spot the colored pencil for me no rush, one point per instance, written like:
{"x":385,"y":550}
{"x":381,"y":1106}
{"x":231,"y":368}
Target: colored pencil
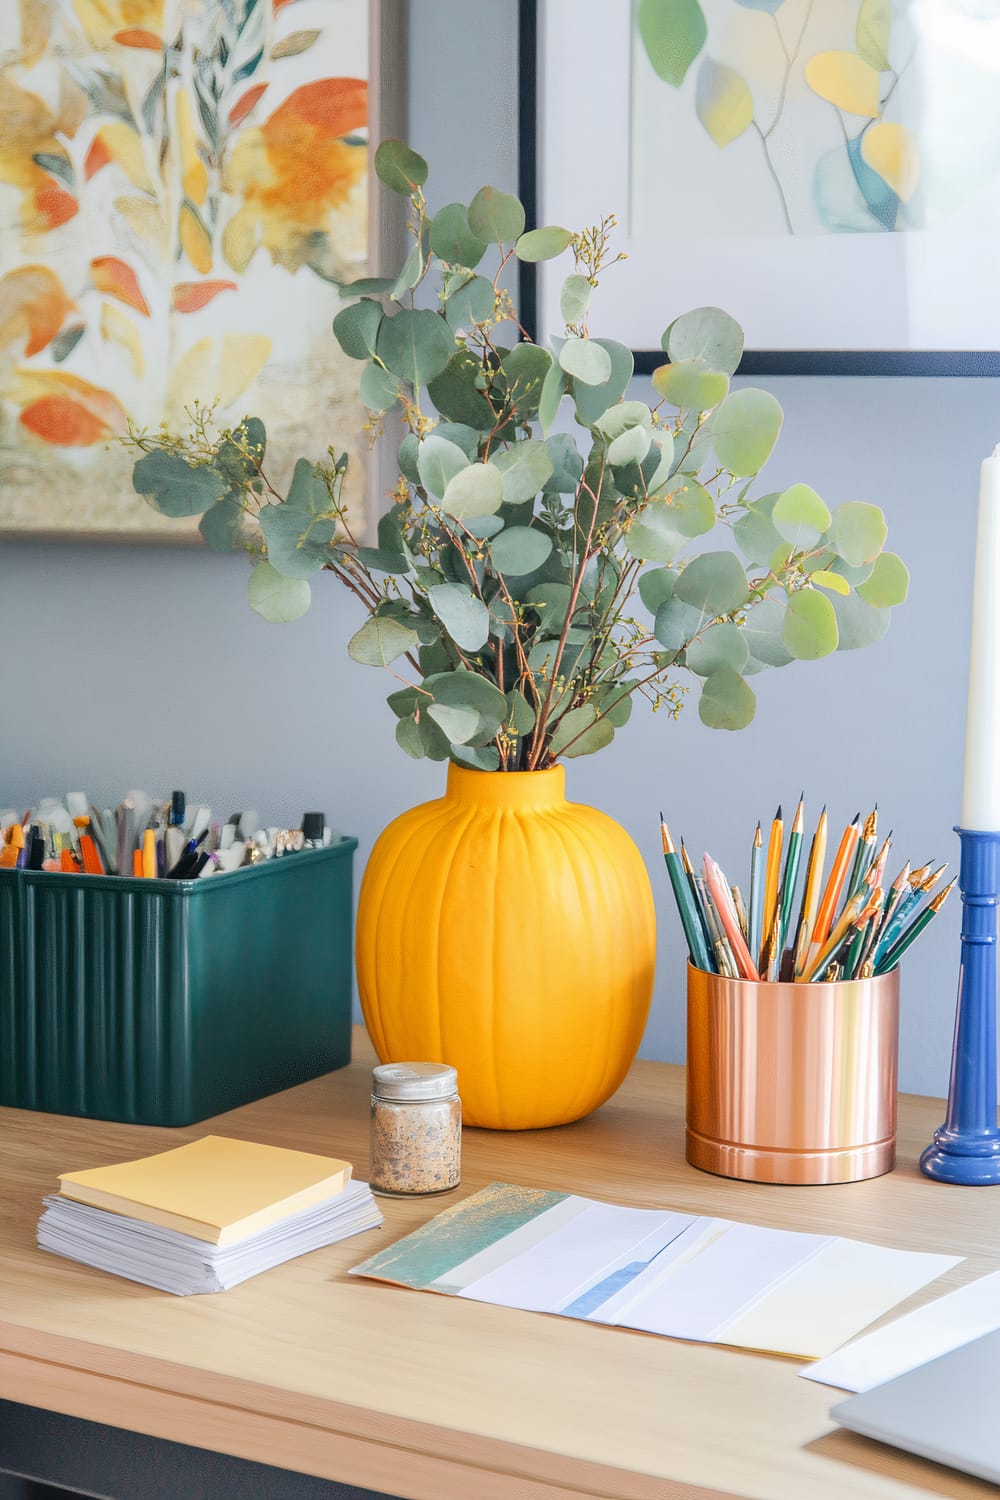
{"x":698,"y":904}
{"x":755,"y":912}
{"x":722,"y":899}
{"x":810,"y":899}
{"x":890,"y":959}
{"x":791,"y":875}
{"x":864,"y":853}
{"x":690,"y":919}
{"x":725,"y":962}
{"x":772,"y":876}
{"x":831,"y":895}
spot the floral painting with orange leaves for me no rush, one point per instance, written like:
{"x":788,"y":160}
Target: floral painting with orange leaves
{"x":183,"y":185}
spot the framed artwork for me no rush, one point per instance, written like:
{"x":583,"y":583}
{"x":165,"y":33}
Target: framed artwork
{"x":182,"y":184}
{"x":827,"y":173}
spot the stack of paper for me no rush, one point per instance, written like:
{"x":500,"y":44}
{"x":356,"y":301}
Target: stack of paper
{"x":671,"y":1273}
{"x":205,"y":1216}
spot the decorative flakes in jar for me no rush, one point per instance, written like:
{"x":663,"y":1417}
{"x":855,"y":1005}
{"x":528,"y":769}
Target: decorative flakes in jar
{"x":416,"y":1129}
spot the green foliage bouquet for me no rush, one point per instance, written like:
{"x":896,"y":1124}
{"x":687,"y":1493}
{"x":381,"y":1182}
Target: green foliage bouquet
{"x":528,"y":581}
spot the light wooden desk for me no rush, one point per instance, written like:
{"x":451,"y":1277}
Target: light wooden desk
{"x":432,"y":1397}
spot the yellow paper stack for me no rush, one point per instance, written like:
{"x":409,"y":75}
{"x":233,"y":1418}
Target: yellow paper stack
{"x":205,"y":1216}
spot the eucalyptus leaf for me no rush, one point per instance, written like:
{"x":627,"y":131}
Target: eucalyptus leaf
{"x":525,"y":468}
{"x":460,"y":724}
{"x":519,"y":550}
{"x":676,"y":623}
{"x":858,"y":623}
{"x":592,"y":401}
{"x":476,"y":491}
{"x":381,"y":640}
{"x":810,"y":629}
{"x":726,"y":702}
{"x":356,"y":328}
{"x":477,"y":757}
{"x":399,"y":168}
{"x":173,"y":486}
{"x":755,"y":532}
{"x":708,"y":334}
{"x":656,"y":586}
{"x":457,"y":395}
{"x":691,"y":384}
{"x":465,"y":617}
{"x":308,"y":492}
{"x":416,"y":344}
{"x":379,"y":560}
{"x":629,"y":447}
{"x":551,"y":601}
{"x":833,"y":582}
{"x":277,"y":599}
{"x":858,"y":532}
{"x":718,"y":646}
{"x":526,"y":368}
{"x":574,"y":299}
{"x":889,"y":582}
{"x":567,"y":465}
{"x":552,"y":392}
{"x":465,"y":689}
{"x":713,"y":583}
{"x":405,"y":702}
{"x":581,"y":732}
{"x":378,"y":389}
{"x":543,"y":244}
{"x":451,"y":238}
{"x":497,"y":218}
{"x":745,"y":429}
{"x":409,"y":738}
{"x":438,"y":461}
{"x":520,"y":714}
{"x":623,"y":417}
{"x":763,"y":630}
{"x":222,"y":523}
{"x":800,"y":517}
{"x":470,"y":303}
{"x":298,"y":544}
{"x":585,"y":360}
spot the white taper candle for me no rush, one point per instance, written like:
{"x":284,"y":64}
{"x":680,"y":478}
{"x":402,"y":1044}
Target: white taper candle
{"x":981,"y":784}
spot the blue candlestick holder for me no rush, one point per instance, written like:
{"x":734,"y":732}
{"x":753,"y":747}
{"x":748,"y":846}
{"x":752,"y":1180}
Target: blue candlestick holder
{"x":966,"y":1148}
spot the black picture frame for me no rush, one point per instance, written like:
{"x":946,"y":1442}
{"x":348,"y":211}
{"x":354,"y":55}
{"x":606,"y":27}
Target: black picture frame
{"x":957,"y":362}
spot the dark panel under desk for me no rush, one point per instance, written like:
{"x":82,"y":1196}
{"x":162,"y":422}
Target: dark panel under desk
{"x":87,"y":1459}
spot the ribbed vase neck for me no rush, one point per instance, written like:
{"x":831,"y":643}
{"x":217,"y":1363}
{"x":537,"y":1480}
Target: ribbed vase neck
{"x":507,"y":789}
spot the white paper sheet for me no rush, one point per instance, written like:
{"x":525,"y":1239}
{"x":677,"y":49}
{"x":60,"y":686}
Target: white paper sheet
{"x":937,"y":1328}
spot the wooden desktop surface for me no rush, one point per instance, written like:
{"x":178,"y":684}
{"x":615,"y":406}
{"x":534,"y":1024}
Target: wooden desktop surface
{"x":432,"y":1397}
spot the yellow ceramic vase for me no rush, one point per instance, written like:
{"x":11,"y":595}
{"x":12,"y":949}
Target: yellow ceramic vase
{"x":510,"y":933}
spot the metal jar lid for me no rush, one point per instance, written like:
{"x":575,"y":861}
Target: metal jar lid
{"x":414,"y":1080}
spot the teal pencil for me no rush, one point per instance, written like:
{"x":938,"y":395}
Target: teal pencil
{"x":697,"y":896}
{"x":790,"y":878}
{"x":690,"y":920}
{"x":755,"y":911}
{"x":890,"y":959}
{"x":863,"y":855}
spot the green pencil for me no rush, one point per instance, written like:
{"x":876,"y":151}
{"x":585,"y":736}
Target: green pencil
{"x":890,"y":959}
{"x":790,"y":877}
{"x":690,"y":920}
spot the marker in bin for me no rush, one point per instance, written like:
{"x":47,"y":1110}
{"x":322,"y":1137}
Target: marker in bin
{"x":147,"y":838}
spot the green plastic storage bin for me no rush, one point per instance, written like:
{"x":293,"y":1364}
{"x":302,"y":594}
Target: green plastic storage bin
{"x":161,"y":1002}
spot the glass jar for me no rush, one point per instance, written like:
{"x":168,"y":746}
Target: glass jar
{"x":416,"y":1129}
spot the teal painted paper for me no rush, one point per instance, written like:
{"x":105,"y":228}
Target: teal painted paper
{"x":457,"y":1234}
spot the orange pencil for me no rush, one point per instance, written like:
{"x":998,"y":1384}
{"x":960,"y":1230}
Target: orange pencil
{"x":149,"y":854}
{"x":136,"y":861}
{"x":92,"y":864}
{"x":831,"y":896}
{"x":772,"y":876}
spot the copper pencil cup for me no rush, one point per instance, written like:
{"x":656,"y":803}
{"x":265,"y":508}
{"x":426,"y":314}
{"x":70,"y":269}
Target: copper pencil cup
{"x":792,"y":1083}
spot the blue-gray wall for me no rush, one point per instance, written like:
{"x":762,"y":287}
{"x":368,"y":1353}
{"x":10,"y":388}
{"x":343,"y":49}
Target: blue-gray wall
{"x":123,"y":666}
